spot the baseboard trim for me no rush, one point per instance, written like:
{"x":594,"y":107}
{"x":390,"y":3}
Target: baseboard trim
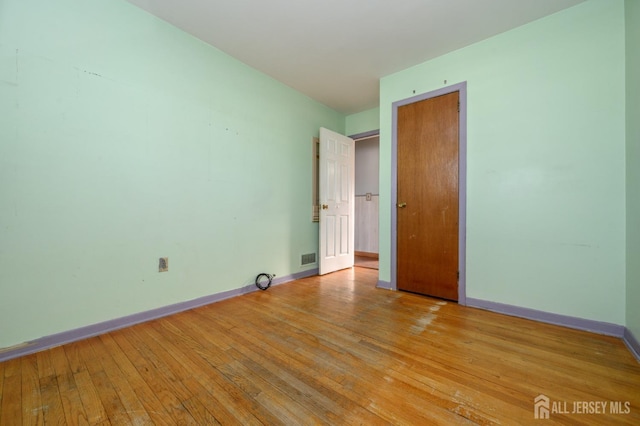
{"x":384,"y":285}
{"x":632,"y":343}
{"x":81,"y":333}
{"x":598,"y":327}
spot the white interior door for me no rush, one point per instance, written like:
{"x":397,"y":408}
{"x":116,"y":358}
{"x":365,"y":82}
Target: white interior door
{"x":337,"y":201}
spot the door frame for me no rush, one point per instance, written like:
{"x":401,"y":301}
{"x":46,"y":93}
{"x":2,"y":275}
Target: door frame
{"x":462,"y":183}
{"x":364,"y":136}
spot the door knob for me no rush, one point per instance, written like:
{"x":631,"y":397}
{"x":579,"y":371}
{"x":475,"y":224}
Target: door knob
{"x":325,"y":207}
{"x":402,"y":205}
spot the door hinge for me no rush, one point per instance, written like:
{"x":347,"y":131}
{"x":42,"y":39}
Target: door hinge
{"x":458,"y":106}
{"x":458,"y":275}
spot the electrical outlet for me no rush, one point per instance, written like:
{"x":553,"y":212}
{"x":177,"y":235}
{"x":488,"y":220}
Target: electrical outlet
{"x":163,"y":264}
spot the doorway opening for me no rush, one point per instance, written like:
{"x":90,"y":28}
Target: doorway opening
{"x":367,"y":160}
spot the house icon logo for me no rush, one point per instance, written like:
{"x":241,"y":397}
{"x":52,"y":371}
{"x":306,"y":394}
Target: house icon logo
{"x":541,"y":407}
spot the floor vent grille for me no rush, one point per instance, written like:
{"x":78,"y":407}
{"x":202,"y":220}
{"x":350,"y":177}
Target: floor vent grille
{"x":308,"y":259}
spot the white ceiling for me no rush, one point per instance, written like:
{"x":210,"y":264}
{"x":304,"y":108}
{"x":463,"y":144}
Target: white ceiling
{"x":335,"y":51}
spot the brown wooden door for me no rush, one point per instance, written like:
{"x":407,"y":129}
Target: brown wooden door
{"x":427,"y":233}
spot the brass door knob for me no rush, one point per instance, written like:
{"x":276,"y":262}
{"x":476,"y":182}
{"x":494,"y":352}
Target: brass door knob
{"x":402,"y":205}
{"x":325,"y":207}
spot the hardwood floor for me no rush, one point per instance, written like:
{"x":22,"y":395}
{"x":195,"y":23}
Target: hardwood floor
{"x":325,"y":350}
{"x":366,"y":262}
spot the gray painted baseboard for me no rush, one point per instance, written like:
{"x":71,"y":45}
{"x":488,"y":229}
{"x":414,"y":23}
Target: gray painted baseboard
{"x":384,"y":284}
{"x":550,"y":318}
{"x":563,"y":320}
{"x":64,"y":337}
{"x":115,"y":324}
{"x":632,"y":343}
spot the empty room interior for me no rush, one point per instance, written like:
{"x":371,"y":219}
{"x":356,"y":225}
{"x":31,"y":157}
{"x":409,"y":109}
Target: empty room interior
{"x":157,"y":156}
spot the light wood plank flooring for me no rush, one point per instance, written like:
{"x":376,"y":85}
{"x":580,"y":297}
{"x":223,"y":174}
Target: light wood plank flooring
{"x":324,"y":350}
{"x":366,"y":262}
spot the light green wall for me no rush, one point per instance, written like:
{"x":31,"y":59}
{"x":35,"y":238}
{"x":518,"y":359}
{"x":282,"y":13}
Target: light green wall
{"x":633,"y":162}
{"x":546,"y":160}
{"x":361,"y":122}
{"x":122,"y":139}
